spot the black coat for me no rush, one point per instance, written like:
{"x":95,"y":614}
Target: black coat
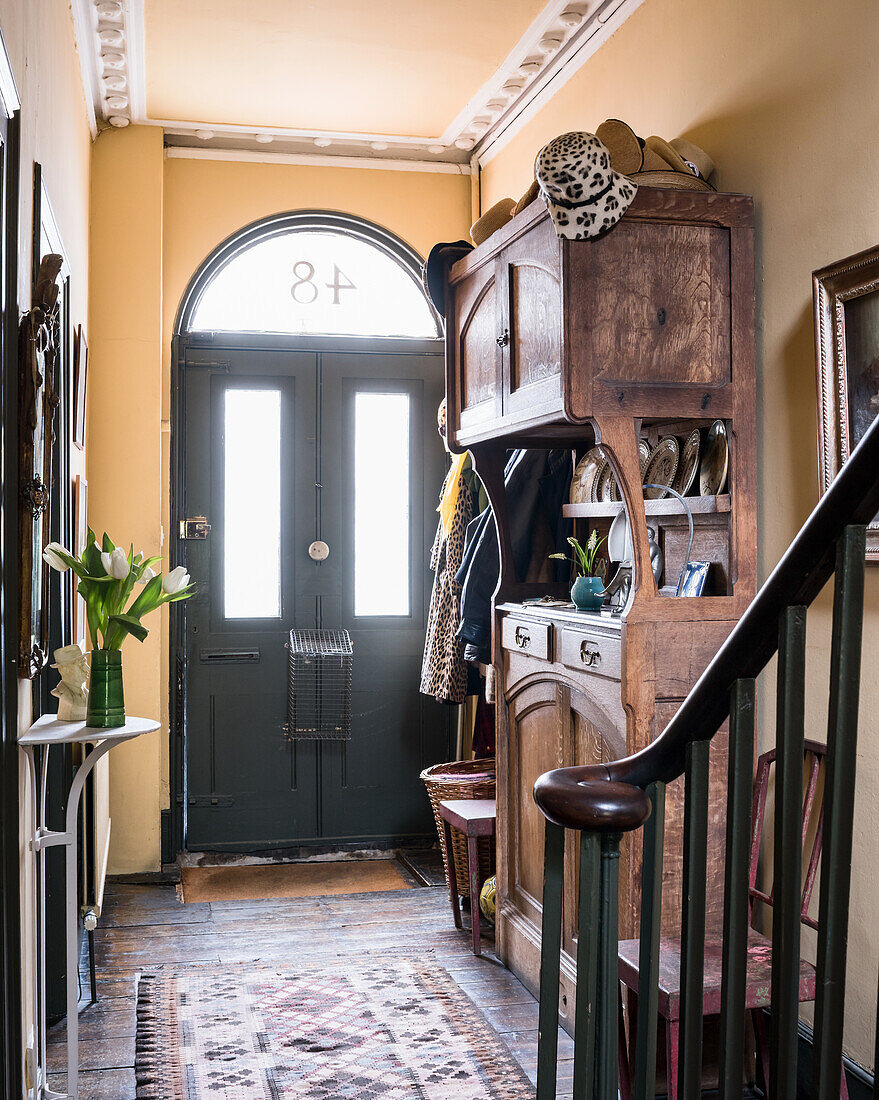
{"x":536,"y":483}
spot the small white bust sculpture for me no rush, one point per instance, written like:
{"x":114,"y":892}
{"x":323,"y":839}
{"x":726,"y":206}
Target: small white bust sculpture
{"x":72,"y":694}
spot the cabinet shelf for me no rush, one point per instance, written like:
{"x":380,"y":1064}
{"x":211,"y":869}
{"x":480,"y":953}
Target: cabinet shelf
{"x":669,"y":506}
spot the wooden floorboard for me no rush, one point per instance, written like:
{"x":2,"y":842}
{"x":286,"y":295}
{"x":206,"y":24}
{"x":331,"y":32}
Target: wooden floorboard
{"x":147,"y":927}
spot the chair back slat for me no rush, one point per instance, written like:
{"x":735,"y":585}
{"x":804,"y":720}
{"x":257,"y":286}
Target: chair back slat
{"x":814,"y":765}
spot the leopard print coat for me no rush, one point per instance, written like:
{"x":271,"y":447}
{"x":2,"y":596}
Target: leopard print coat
{"x":443,"y":670}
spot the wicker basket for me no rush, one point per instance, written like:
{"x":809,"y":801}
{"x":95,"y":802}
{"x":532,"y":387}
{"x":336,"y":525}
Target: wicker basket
{"x":462,"y":779}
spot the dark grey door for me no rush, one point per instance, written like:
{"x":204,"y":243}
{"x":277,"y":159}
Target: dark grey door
{"x":283,"y":449}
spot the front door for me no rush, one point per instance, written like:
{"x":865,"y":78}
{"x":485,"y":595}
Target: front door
{"x":288,"y":455}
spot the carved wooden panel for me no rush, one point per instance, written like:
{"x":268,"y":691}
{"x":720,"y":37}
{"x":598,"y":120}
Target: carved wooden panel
{"x":535,"y":330}
{"x":537,"y":729}
{"x":479,"y":349}
{"x":656,"y":305}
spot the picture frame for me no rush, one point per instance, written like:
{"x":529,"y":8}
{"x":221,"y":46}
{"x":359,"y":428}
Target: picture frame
{"x":80,"y":368}
{"x":846,"y":314}
{"x":39,"y":350}
{"x":693,"y":578}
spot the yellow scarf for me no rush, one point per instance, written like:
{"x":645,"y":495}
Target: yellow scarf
{"x":451,"y":491}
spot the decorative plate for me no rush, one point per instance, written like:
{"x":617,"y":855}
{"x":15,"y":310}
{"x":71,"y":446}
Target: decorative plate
{"x":643,"y":456}
{"x":619,"y":539}
{"x":584,"y":476}
{"x":689,"y":463}
{"x":606,"y":488}
{"x":662,"y":467}
{"x":715,"y":461}
{"x":603,"y":467}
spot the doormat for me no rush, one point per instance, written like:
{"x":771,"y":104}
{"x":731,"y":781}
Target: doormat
{"x":383,"y":1027}
{"x":291,"y":880}
{"x":426,"y":864}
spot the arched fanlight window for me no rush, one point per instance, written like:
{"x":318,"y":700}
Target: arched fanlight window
{"x":311,"y":273}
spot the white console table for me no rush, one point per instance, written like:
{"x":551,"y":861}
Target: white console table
{"x":44,"y":733}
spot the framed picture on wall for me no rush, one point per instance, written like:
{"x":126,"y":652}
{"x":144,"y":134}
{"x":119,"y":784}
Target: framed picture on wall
{"x":846,"y":303}
{"x":80,"y":368}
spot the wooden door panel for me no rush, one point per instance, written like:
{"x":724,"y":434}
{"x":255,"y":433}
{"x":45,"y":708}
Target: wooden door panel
{"x":536,"y":746}
{"x":535,"y":340}
{"x":531,"y":282}
{"x":654,"y":300}
{"x":477,"y":346}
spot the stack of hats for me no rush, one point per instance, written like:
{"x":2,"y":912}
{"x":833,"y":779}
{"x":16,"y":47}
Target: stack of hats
{"x":653,"y":161}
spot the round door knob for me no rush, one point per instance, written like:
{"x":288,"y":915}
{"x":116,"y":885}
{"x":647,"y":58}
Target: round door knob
{"x":318,"y":551}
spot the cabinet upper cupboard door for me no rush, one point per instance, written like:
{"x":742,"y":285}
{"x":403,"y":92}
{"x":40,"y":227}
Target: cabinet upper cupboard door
{"x":531,"y":294}
{"x":649,"y":320}
{"x":476,"y":352}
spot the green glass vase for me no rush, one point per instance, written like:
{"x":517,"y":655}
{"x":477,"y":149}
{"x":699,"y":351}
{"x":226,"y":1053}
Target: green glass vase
{"x":106,"y":709}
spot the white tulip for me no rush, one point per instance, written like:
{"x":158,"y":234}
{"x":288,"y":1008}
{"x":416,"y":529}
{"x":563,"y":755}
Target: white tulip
{"x":176,"y":580}
{"x":146,"y":576}
{"x":115,"y":564}
{"x":51,"y":557}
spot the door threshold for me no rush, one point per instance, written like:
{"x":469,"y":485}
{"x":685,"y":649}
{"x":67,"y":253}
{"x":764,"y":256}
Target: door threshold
{"x":304,"y":854}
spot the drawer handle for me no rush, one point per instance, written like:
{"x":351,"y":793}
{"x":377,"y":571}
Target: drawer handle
{"x":503,"y":339}
{"x":589,"y":657}
{"x":523,"y":638}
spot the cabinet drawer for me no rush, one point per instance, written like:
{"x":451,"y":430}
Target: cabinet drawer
{"x":527,"y":636}
{"x":594,"y":652}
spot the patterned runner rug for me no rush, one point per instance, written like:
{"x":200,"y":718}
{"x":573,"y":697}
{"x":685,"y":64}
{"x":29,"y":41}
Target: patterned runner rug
{"x":375,"y":1028}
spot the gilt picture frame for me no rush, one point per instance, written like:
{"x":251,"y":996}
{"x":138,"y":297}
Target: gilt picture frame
{"x":846,"y":312}
{"x":39,"y":341}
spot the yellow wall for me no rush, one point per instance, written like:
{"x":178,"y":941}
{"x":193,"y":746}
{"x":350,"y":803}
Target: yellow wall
{"x":54,"y":131}
{"x":154,"y":222}
{"x":126,"y":474}
{"x":783,"y":98}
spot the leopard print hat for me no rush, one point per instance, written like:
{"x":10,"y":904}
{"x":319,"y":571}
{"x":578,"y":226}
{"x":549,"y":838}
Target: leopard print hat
{"x":584,"y":195}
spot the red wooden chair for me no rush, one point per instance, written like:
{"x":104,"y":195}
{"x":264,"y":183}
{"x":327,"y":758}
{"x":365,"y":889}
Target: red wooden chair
{"x":759,"y":981}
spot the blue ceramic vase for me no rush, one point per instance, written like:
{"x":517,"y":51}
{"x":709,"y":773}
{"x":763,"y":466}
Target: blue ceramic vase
{"x":588,"y":593}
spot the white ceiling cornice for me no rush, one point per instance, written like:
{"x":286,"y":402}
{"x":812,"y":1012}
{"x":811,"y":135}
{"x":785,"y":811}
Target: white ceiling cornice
{"x":250,"y":156}
{"x":110,"y":38}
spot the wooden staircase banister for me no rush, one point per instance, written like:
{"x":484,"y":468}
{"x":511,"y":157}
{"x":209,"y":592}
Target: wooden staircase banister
{"x":587,"y":798}
{"x":603,"y":801}
{"x":805,"y":568}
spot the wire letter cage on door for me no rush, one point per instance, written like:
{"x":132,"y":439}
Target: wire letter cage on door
{"x":319,"y":685}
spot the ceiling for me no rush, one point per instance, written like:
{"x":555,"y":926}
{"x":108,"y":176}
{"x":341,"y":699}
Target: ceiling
{"x":313,"y":65}
{"x":429,"y":81}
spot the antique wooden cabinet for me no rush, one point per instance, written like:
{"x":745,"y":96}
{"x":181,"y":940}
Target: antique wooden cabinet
{"x":549,"y":343}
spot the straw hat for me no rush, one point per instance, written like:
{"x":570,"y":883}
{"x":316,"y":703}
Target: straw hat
{"x":492,"y":220}
{"x":585,"y":196}
{"x":529,"y":197}
{"x":623,"y":144}
{"x":694,"y":156}
{"x":680,"y":181}
{"x":667,"y":168}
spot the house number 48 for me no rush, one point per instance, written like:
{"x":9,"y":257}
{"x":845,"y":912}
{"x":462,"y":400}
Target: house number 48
{"x":305,"y":290}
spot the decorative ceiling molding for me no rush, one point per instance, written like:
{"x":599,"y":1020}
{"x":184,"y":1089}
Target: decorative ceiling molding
{"x":251,"y":156}
{"x":110,"y":36}
{"x":604,"y":18}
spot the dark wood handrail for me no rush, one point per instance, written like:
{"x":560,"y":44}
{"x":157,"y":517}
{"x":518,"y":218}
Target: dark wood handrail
{"x":568,"y":796}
